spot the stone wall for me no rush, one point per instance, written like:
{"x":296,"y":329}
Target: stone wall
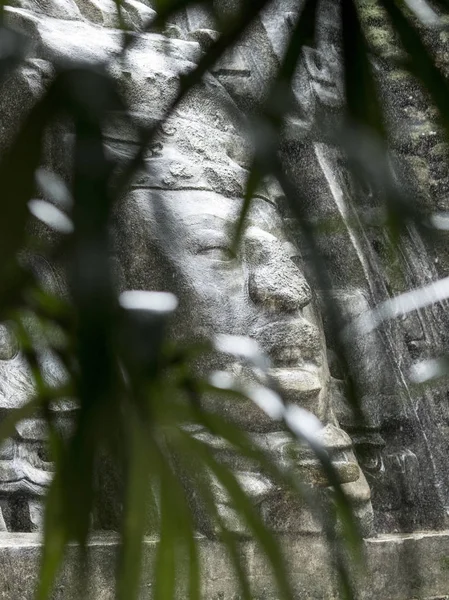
{"x":413,"y":567}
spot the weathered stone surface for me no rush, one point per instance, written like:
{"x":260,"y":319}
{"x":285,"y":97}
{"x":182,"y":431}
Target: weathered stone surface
{"x":405,"y":429}
{"x":172,"y":230}
{"x":202,"y":158}
{"x":398,"y":567}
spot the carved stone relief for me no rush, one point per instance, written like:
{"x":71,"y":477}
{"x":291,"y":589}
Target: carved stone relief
{"x":404,"y":429}
{"x":25,"y":465}
{"x":172,"y":232}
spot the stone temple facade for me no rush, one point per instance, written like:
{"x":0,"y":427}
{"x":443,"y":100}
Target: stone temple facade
{"x":170,"y":233}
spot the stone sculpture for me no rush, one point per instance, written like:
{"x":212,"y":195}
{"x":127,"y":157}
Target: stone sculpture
{"x":404,"y":428}
{"x":172,"y":232}
{"x":180,"y":213}
{"x":25,"y":466}
{"x":260,"y":293}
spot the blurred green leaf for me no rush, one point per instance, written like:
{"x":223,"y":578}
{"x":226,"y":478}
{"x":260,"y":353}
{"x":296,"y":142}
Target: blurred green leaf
{"x":421,"y":64}
{"x":17,"y":167}
{"x":268,"y":542}
{"x":362,"y":101}
{"x":202,"y":485}
{"x":226,"y":40}
{"x":55,"y":539}
{"x":137,"y":503}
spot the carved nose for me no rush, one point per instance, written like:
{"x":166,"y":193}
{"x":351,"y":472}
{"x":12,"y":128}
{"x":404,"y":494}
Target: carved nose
{"x":279,"y":285}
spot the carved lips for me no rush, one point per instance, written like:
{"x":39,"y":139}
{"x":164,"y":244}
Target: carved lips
{"x":296,"y":351}
{"x":291,"y":343}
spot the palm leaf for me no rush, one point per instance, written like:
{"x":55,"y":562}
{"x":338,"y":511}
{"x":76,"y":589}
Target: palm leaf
{"x":267,"y":541}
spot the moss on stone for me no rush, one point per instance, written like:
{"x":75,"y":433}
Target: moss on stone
{"x":440,"y":151}
{"x":372,"y":13}
{"x":382,"y":42}
{"x":421,"y":171}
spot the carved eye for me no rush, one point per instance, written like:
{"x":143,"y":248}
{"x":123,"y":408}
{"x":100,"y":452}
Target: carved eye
{"x":297,"y":260}
{"x":9,"y":346}
{"x":293,"y":254}
{"x":217,"y":253}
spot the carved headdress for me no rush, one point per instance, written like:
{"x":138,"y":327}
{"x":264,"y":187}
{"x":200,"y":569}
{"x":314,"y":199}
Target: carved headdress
{"x":203,"y":144}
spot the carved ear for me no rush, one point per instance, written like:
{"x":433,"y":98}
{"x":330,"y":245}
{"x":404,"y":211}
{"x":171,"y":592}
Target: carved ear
{"x":21,"y":90}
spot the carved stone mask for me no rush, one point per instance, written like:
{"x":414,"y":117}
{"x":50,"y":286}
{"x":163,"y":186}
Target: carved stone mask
{"x":260,"y":292}
{"x":173,"y":231}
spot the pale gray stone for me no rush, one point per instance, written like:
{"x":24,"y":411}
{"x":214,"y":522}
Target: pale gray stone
{"x":172,"y":231}
{"x":399,"y":567}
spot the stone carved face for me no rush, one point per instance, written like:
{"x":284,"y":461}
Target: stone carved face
{"x":185,"y":237}
{"x":180,"y":240}
{"x":172,"y":232}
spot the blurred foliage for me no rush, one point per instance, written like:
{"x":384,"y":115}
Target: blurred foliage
{"x":137,"y":398}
